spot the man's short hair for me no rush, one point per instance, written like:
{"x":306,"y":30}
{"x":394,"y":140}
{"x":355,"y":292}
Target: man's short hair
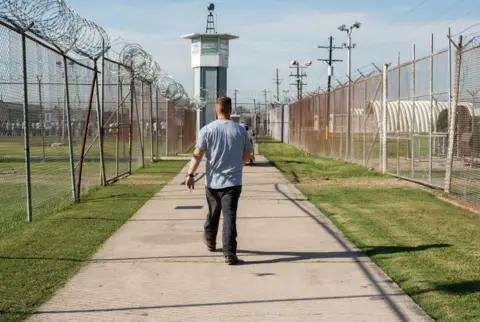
{"x":224,"y":104}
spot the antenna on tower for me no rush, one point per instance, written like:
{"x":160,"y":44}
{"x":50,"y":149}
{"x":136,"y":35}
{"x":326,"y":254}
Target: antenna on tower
{"x":210,"y":19}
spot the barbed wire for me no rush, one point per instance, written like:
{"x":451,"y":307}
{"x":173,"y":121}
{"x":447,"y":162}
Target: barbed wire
{"x":56,"y":23}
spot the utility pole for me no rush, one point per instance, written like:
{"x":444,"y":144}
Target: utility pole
{"x":266,"y":111}
{"x":255,"y":115}
{"x":235,"y":102}
{"x":278,"y":81}
{"x":330,"y":61}
{"x":299,"y":80}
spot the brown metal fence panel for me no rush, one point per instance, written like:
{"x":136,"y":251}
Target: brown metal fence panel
{"x":422,"y":118}
{"x":318,"y":124}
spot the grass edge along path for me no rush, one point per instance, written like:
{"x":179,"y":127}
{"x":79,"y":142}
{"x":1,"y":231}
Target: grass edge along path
{"x":40,"y":257}
{"x":429,"y":247}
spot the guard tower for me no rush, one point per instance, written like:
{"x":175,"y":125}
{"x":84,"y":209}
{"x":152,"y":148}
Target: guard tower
{"x":210,"y":51}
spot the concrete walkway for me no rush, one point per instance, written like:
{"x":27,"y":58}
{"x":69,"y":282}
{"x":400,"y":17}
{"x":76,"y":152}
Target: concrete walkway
{"x":297,"y":266}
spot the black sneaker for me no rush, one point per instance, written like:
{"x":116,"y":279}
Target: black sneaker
{"x":231,"y":259}
{"x":210,"y":245}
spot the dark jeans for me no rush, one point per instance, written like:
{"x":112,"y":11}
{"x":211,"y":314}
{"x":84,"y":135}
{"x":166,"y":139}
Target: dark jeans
{"x":227,"y":200}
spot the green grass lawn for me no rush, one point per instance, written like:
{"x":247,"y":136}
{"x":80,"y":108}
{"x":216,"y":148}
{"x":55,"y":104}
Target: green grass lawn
{"x":37,"y":258}
{"x":51,"y":180}
{"x":51,"y":188}
{"x":429,"y":247}
{"x":13,"y":147}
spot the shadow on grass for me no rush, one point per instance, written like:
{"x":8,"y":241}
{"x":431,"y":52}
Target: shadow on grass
{"x":461,"y":288}
{"x":287,"y":257}
{"x":380,"y":250}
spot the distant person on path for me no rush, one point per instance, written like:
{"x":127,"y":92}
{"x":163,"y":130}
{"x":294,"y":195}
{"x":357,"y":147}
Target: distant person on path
{"x":227,"y":147}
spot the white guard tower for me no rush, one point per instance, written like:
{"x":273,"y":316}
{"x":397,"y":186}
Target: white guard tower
{"x":209,"y":62}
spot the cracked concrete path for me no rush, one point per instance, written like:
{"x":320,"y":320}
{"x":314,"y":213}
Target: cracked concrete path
{"x":296,"y":265}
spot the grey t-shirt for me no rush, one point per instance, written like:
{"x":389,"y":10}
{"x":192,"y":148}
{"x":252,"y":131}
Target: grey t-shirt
{"x":224,"y":143}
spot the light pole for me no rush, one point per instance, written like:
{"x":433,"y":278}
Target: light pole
{"x":349,"y":46}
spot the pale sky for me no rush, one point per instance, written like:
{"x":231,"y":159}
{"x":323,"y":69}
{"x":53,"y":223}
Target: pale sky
{"x":274,"y":32}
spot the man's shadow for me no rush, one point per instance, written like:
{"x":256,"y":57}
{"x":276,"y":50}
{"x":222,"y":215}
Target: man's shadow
{"x":289,"y":257}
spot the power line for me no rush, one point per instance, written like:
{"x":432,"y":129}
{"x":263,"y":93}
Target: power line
{"x":422,"y":26}
{"x":406,"y":13}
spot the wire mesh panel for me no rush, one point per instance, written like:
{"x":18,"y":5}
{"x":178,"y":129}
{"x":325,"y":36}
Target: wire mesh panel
{"x":439,"y":106}
{"x":161,"y":142}
{"x":115,"y":119}
{"x":465,"y":171}
{"x":137,"y":126}
{"x":173,"y":128}
{"x":189,"y":130}
{"x":12,"y":156}
{"x":66,"y":124}
{"x":340,"y":110}
{"x":369,"y":124}
{"x":51,"y":179}
{"x":397,"y":133}
{"x":147,"y":122}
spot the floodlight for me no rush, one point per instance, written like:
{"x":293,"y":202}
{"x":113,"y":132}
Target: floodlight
{"x":356,"y":25}
{"x":343,"y":28}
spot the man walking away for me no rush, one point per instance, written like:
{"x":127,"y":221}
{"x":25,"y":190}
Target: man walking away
{"x":227,"y":147}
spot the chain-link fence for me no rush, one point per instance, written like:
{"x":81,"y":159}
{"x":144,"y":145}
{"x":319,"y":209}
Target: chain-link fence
{"x":69,"y":123}
{"x":318,"y":124}
{"x":418,"y":120}
{"x":464,"y":157}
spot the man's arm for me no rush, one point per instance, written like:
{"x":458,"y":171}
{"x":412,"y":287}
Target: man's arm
{"x":195,"y":161}
{"x":200,"y":147}
{"x":246,"y":157}
{"x":248,"y":149}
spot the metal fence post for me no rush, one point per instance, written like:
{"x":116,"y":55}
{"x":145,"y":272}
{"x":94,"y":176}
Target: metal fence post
{"x":399,"y":94}
{"x":453,"y":108}
{"x":151,"y":122}
{"x":132,"y":104}
{"x":430,"y":150}
{"x":142,"y":128}
{"x":333,"y":137}
{"x":384,"y":117}
{"x":119,"y":102}
{"x":103,"y":180}
{"x":26,"y":131}
{"x":412,"y":128}
{"x":365,"y":101}
{"x":69,"y":127}
{"x":157,"y":123}
{"x":282,"y":123}
{"x":167,"y":126}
